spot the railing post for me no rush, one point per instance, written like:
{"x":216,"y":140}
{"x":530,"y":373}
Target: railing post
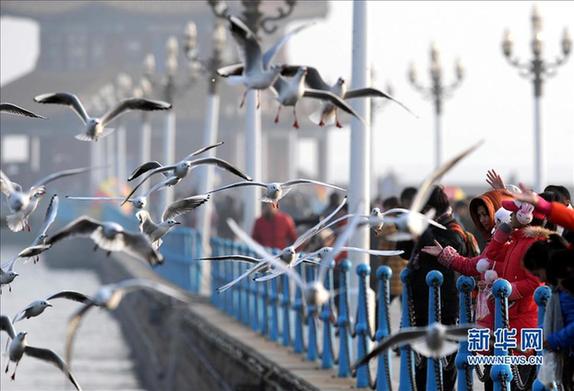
{"x":253,"y":292}
{"x":274,"y":301}
{"x":196,"y":265}
{"x":264,"y":292}
{"x":542,"y":296}
{"x":501,"y":374}
{"x":343,"y":321}
{"x":465,"y":285}
{"x":231,"y":293}
{"x":286,"y":306}
{"x":246,"y":282}
{"x":214,"y":244}
{"x":362,"y":327}
{"x":434,"y":280}
{"x":407,"y":374}
{"x":298,"y":343}
{"x":383,"y":382}
{"x":327,"y":357}
{"x":312,"y":351}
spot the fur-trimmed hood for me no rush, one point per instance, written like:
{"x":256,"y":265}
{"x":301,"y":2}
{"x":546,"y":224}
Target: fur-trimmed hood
{"x":535,"y":232}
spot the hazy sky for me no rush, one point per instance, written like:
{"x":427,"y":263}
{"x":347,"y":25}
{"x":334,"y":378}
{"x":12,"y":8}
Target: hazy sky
{"x":493,"y":103}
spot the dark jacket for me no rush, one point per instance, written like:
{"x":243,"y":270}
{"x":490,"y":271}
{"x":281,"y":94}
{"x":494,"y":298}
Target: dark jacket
{"x":564,"y":339}
{"x":423,"y":263}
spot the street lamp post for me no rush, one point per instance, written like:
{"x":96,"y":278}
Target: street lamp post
{"x":437,"y":92}
{"x":169,"y":88}
{"x":538,"y":70}
{"x":255,"y":20}
{"x":123,"y":91}
{"x":143,"y":90}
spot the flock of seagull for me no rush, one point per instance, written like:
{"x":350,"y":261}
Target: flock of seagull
{"x":258,"y":72}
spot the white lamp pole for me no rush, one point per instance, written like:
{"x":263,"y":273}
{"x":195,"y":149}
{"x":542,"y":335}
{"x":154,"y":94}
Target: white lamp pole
{"x":360,"y":144}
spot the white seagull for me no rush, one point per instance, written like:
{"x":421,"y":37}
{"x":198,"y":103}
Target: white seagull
{"x":37,"y":307}
{"x":275,"y":191}
{"x":109,"y":297}
{"x":314,"y":292}
{"x":7,"y":274}
{"x":95,"y":127}
{"x":340,"y":89}
{"x":179,"y":170}
{"x":156,"y":231}
{"x":289,"y":91}
{"x":258,"y":73}
{"x":23,"y":203}
{"x":434,"y":341}
{"x":139,"y":202}
{"x":51,"y":214}
{"x":109,"y":236}
{"x":11,"y":108}
{"x":411,"y":223}
{"x":287,"y":257}
{"x":19,"y":347}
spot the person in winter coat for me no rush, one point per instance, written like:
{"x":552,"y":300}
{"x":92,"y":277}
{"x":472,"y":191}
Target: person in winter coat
{"x":422,"y":263}
{"x":556,"y":212}
{"x":552,"y":261}
{"x":482,"y":211}
{"x":505,"y":253}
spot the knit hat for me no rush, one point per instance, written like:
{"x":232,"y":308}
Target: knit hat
{"x":523,"y":210}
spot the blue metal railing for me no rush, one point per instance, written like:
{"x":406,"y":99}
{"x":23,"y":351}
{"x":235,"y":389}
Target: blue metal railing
{"x":276,"y":309}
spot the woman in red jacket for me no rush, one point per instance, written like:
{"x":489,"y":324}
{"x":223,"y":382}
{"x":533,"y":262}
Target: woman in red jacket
{"x":505,"y":252}
{"x":556,"y":212}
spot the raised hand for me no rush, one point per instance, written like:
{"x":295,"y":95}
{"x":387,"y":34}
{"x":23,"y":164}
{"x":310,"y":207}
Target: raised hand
{"x":527,"y":195}
{"x":433,"y":250}
{"x":494,"y":180}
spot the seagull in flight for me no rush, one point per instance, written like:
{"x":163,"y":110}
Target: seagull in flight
{"x":19,"y":347}
{"x":275,"y":191}
{"x":7,"y":274}
{"x":411,"y":223}
{"x":139,"y":202}
{"x":37,"y":307}
{"x":109,"y":297}
{"x":23,"y":203}
{"x":95,"y":127}
{"x":314,"y":291}
{"x":287,"y":257}
{"x":109,"y":236}
{"x":11,"y":108}
{"x":256,"y":72}
{"x":433,"y":341}
{"x":36,"y":248}
{"x":178,"y":171}
{"x":155,"y":231}
{"x":340,"y":89}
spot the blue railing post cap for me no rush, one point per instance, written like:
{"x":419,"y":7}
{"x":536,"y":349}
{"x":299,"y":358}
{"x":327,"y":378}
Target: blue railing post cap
{"x":345,"y":265}
{"x":434,"y":278}
{"x":405,"y":275}
{"x":363,"y":269}
{"x":542,"y":294}
{"x":465,"y":284}
{"x":496,"y":371}
{"x":501,"y":287}
{"x":384,"y":272}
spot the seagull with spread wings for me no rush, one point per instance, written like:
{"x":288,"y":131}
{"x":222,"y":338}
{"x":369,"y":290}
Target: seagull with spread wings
{"x":287,"y":258}
{"x":109,"y":236}
{"x":109,"y":297}
{"x":314,"y":292}
{"x":256,"y":72}
{"x":433,"y":341}
{"x":37,"y":307}
{"x":36,"y":245}
{"x":156,"y":231}
{"x":411,"y":223}
{"x":24,"y":203}
{"x":95,"y":127}
{"x":19,"y":347}
{"x":315,"y":81}
{"x":11,"y":108}
{"x":275,"y":191}
{"x":178,"y":171}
